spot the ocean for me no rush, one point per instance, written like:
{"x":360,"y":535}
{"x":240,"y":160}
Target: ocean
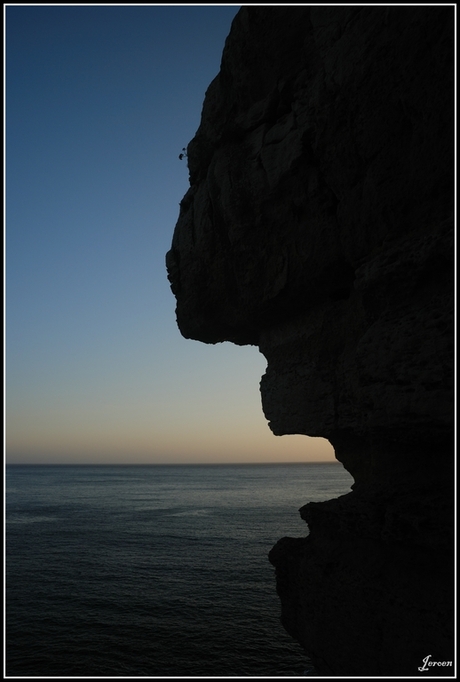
{"x":153,"y":571}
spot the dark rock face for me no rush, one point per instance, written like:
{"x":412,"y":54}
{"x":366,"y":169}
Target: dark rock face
{"x":318,"y":226}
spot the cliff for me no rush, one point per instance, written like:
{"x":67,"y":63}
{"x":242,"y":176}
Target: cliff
{"x":319,"y":227}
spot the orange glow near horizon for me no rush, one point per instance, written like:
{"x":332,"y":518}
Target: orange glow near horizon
{"x":269,"y":449}
{"x":207,"y":410}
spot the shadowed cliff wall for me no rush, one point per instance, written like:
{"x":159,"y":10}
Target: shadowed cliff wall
{"x":319,"y":227}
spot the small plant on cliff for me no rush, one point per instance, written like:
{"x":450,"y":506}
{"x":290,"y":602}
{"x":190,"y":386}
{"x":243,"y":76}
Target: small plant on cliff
{"x":183,"y":154}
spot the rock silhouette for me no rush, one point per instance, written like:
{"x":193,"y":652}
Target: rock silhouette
{"x":319,"y":227}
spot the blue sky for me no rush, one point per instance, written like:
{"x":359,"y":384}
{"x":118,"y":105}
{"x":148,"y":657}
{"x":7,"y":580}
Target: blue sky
{"x":100,"y":101}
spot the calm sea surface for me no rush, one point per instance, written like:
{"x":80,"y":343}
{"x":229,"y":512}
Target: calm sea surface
{"x":153,"y":571}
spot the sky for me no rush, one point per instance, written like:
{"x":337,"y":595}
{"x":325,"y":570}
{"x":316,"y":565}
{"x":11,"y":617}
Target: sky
{"x":99,"y":102}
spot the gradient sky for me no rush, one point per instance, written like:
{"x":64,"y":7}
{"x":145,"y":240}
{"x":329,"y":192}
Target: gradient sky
{"x":100,"y":101}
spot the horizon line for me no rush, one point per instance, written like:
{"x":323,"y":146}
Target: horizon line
{"x":143,"y":464}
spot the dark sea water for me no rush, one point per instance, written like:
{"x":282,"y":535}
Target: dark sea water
{"x":153,"y":571}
